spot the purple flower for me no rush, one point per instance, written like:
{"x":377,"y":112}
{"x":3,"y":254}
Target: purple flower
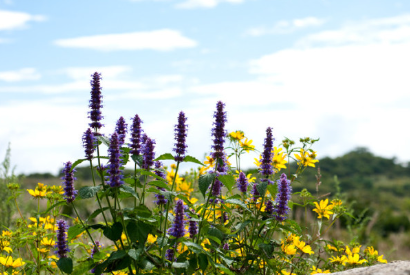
{"x":177,"y":229}
{"x":242,"y":182}
{"x":89,"y":142}
{"x":219,"y":132}
{"x":121,"y":130}
{"x":136,"y":136}
{"x":216,"y":189}
{"x":95,"y":102}
{"x":61,"y":245}
{"x":69,"y":192}
{"x":170,"y":255}
{"x":95,"y":248}
{"x":180,"y":136}
{"x":115,"y":176}
{"x":267,"y":155}
{"x":282,"y":198}
{"x":148,"y":153}
{"x":269,"y":207}
{"x":161,"y":200}
{"x":226,"y":246}
{"x":255,"y":192}
{"x":192,"y":229}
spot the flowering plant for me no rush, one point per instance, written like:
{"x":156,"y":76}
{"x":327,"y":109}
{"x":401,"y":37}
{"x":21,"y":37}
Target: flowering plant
{"x":216,"y":219}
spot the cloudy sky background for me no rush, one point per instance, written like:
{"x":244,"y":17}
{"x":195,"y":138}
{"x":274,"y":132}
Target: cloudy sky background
{"x":338,"y":70}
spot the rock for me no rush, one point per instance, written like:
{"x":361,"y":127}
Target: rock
{"x":392,"y":268}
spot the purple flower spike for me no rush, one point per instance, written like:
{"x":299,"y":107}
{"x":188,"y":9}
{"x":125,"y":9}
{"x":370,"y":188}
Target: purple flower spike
{"x":192,"y":229}
{"x":61,"y":245}
{"x":115,"y":176}
{"x":218,"y":131}
{"x":95,"y":248}
{"x":161,"y":200}
{"x":242,"y":182}
{"x":69,"y":192}
{"x":136,"y":132}
{"x":180,"y":136}
{"x":95,"y":102}
{"x":216,"y":189}
{"x":89,"y":142}
{"x":269,"y":207}
{"x":148,"y":153}
{"x":121,"y":130}
{"x":170,"y":255}
{"x":282,"y":198}
{"x":255,"y":192}
{"x":267,"y":155}
{"x":177,"y":229}
{"x":226,"y":246}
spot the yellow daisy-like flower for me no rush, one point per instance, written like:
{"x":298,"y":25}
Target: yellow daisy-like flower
{"x":289,"y":249}
{"x":331,"y":247}
{"x":306,"y":159}
{"x":353,"y":260}
{"x":371,"y":251}
{"x":284,"y":272}
{"x":184,"y":186}
{"x":250,"y":178}
{"x":43,"y":250}
{"x":323,"y":210}
{"x":337,"y":202}
{"x":8,"y":262}
{"x":151,"y":239}
{"x":279,"y":160}
{"x":318,"y":270}
{"x":381,"y":260}
{"x":57,"y":189}
{"x":302,"y":246}
{"x":238,"y":135}
{"x":39,"y":192}
{"x":336,"y":260}
{"x":6,"y":233}
{"x":48,"y":242}
{"x":257,"y":162}
{"x":171,"y":176}
{"x":247,"y":145}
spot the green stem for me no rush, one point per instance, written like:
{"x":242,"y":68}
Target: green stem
{"x":82,"y":223}
{"x":98,"y":199}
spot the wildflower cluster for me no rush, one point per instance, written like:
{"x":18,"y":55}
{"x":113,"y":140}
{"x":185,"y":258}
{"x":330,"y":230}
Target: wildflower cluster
{"x":213,"y":219}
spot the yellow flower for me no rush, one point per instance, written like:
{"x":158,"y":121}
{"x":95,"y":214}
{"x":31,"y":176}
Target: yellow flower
{"x":247,"y":145}
{"x":151,"y":239}
{"x":336,"y":260}
{"x":39,"y":192}
{"x":323,"y":210}
{"x":302,"y":246}
{"x":250,"y":178}
{"x":289,"y":249}
{"x":171,"y":176}
{"x":43,"y":250}
{"x":355,"y":250}
{"x":57,"y":189}
{"x":381,"y":260}
{"x":257,"y":162}
{"x":336,"y":202}
{"x":305,"y":159}
{"x":316,"y":271}
{"x":48,"y":242}
{"x":8,"y":262}
{"x":331,"y":247}
{"x":238,"y":135}
{"x":353,"y":259}
{"x":184,"y":186}
{"x":284,"y":272}
{"x":204,"y":243}
{"x":371,"y":251}
{"x":278,"y":160}
{"x":6,"y":233}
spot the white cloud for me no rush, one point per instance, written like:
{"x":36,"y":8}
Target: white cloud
{"x":286,"y":26}
{"x":384,"y":30}
{"x":192,"y":4}
{"x":10,"y":20}
{"x":160,"y":40}
{"x":22,"y":74}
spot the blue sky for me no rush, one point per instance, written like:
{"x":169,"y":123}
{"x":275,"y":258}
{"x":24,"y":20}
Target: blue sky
{"x":337,"y":70}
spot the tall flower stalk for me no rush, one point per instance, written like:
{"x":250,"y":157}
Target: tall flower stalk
{"x":95,"y":102}
{"x":282,"y":198}
{"x":121,"y":129}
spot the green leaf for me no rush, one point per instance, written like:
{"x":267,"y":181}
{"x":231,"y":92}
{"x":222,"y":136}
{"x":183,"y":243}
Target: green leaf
{"x":192,"y":159}
{"x":205,"y":181}
{"x":127,"y":189}
{"x":224,"y":269}
{"x":166,"y":156}
{"x":203,"y":262}
{"x":137,"y":159}
{"x":114,"y":232}
{"x":51,"y":207}
{"x":74,"y":231}
{"x":87,"y":192}
{"x":146,"y":265}
{"x":104,"y":140}
{"x":212,"y":231}
{"x":162,"y":241}
{"x":273,"y":189}
{"x":138,"y":231}
{"x":116,"y":255}
{"x":183,"y":265}
{"x":96,"y":213}
{"x":196,"y":248}
{"x":237,"y":202}
{"x":148,"y":173}
{"x":83,"y":267}
{"x":261,"y":187}
{"x":239,"y":227}
{"x":228,"y":181}
{"x":135,"y":253}
{"x":65,"y":265}
{"x":159,"y":183}
{"x":193,"y":264}
{"x":77,"y":162}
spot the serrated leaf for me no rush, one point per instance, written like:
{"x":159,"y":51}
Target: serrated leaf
{"x":192,"y":159}
{"x":196,"y":248}
{"x":138,"y":231}
{"x":162,"y":241}
{"x":74,"y":231}
{"x":104,"y":140}
{"x":205,"y":181}
{"x":261,"y":187}
{"x":116,"y":255}
{"x":159,"y":183}
{"x":228,"y":181}
{"x":65,"y":265}
{"x":137,"y":159}
{"x":135,"y":253}
{"x":114,"y":232}
{"x":212,"y":231}
{"x":239,"y":227}
{"x":237,"y":202}
{"x":166,"y":156}
{"x":183,"y":265}
{"x":129,"y":190}
{"x":87,"y":192}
